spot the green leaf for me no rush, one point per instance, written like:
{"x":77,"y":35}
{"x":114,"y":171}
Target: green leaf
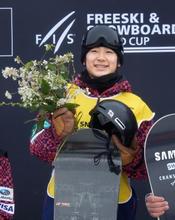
{"x":52,"y":67}
{"x":28,"y":65}
{"x":40,"y":125}
{"x":49,"y":108}
{"x":71,"y":106}
{"x":45,"y":87}
{"x":60,"y":93}
{"x":64,"y":72}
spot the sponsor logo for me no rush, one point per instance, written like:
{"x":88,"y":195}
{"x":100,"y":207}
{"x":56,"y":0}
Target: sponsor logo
{"x":173,"y":183}
{"x":164,"y":155}
{"x":84,"y":124}
{"x":117,"y":120}
{"x":111,"y":113}
{"x":171,"y":166}
{"x":167,"y":177}
{"x":6,"y":194}
{"x":63,"y":204}
{"x":51,"y":34}
{"x":8,"y":208}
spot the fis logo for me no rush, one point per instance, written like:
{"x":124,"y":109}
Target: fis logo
{"x":51,"y":34}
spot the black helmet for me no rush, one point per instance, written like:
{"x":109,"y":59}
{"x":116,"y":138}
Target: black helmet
{"x":102,"y":35}
{"x":115,"y":118}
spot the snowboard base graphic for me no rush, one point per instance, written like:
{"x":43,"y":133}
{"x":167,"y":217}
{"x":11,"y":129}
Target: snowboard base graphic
{"x":160,"y":161}
{"x":87,"y":176}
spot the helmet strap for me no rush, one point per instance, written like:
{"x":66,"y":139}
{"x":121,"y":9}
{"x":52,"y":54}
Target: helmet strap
{"x":109,"y":153}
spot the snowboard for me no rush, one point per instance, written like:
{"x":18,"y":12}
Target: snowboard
{"x":87,"y":177}
{"x":160,"y":161}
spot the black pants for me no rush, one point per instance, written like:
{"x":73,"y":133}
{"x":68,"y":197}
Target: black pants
{"x":127,"y":211}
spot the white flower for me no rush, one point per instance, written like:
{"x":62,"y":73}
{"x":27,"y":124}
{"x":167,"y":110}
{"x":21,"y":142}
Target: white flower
{"x":61,"y":102}
{"x":35,"y":63}
{"x":48,"y":46}
{"x":18,"y":60}
{"x":10,"y":72}
{"x":45,"y":62}
{"x":8,"y":95}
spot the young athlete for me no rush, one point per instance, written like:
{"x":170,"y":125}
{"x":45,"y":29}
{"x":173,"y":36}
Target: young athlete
{"x":102,"y":57}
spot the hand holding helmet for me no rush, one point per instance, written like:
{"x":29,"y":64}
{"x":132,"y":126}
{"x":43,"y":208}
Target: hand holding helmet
{"x":127,"y":154}
{"x":119,"y":122}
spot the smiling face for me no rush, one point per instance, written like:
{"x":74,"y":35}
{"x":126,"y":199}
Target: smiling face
{"x":101,"y":61}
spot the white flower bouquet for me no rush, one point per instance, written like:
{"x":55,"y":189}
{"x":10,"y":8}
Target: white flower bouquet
{"x":42,"y":84}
